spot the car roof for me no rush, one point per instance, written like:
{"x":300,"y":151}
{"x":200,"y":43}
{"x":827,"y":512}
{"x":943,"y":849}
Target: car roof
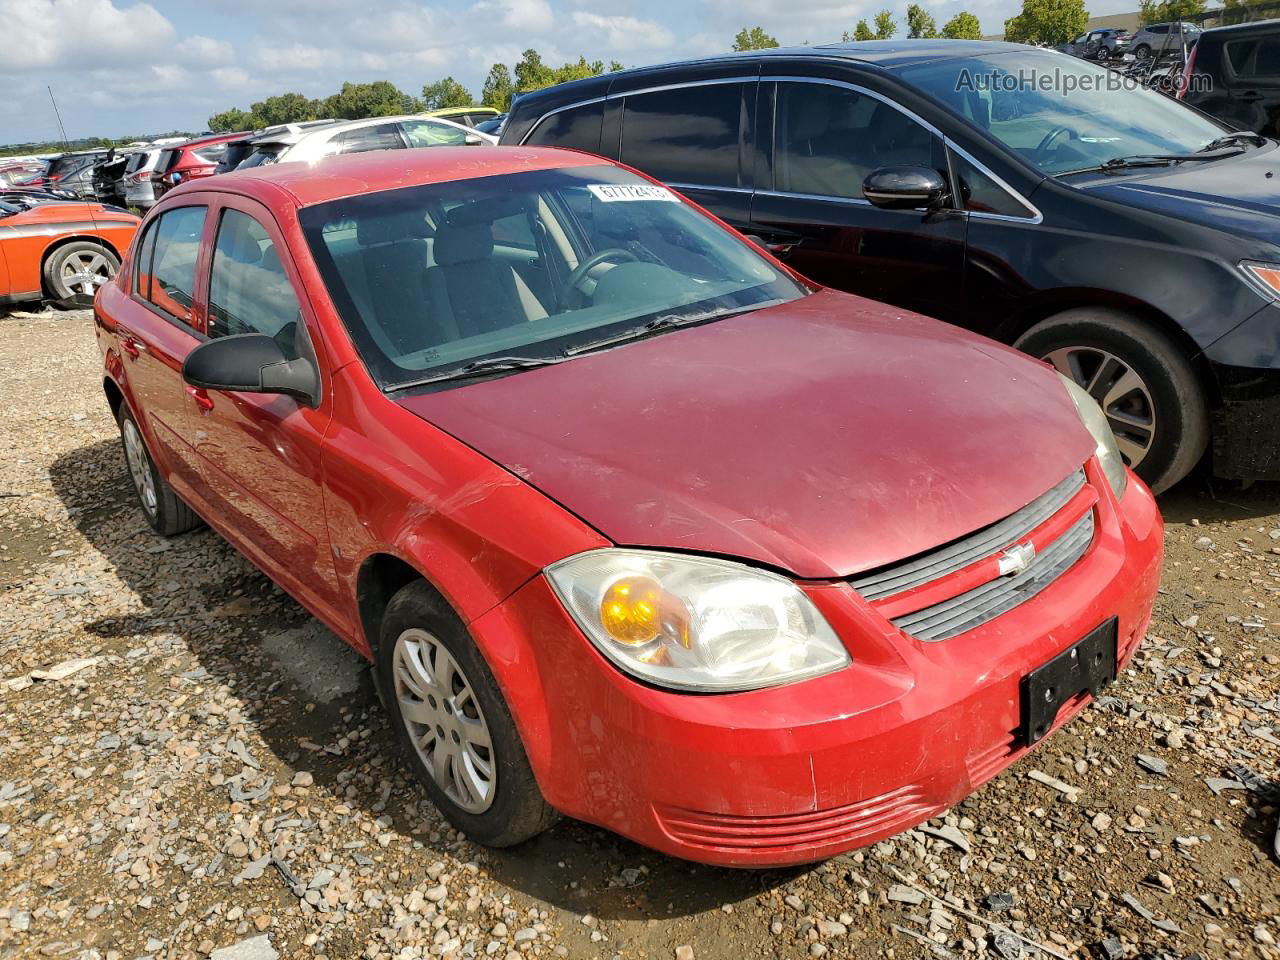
{"x":206,"y":140}
{"x":1262,"y":26}
{"x":335,"y":177}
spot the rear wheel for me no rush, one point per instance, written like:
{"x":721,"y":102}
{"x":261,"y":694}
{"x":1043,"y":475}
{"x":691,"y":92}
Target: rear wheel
{"x":79,"y":269}
{"x":1144,"y":384}
{"x":1142,"y":51}
{"x":454,"y":725}
{"x":166,"y":513}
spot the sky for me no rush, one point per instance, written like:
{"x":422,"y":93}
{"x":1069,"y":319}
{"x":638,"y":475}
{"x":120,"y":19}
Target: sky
{"x":121,"y":67}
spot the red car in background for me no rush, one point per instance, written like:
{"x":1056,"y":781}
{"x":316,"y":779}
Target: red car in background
{"x":191,"y":160}
{"x":62,"y":250}
{"x":636,"y":524}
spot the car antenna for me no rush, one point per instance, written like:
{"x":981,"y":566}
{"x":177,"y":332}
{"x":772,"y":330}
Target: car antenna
{"x":67,"y":143}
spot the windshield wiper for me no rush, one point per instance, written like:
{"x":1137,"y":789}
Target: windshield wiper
{"x":1231,"y":139}
{"x":661,"y":324}
{"x":478,"y":368}
{"x":1151,"y":160}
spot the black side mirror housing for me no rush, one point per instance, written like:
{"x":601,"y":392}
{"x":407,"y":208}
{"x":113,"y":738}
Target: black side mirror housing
{"x":251,"y":363}
{"x":905,"y":188}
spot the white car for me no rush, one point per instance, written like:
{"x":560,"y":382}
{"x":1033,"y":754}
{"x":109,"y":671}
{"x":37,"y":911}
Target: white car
{"x":359,"y":136}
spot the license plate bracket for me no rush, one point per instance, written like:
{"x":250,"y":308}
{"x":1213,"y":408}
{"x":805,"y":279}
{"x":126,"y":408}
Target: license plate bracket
{"x":1089,"y":664}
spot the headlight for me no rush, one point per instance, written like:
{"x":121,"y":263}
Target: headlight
{"x":696,"y":623}
{"x":1264,"y":276}
{"x":1095,"y":421}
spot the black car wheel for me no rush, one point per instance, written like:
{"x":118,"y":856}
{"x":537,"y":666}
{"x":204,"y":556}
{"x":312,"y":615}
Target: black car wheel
{"x":1103,"y":54}
{"x":164,"y":510}
{"x":1144,"y":384}
{"x":454,"y":725}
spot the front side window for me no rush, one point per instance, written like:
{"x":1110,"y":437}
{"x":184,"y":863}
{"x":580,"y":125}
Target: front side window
{"x":685,"y":135}
{"x":538,"y":265}
{"x":142,"y":266}
{"x":383,"y":136}
{"x":1059,"y":113}
{"x":980,"y":194}
{"x":829,"y":138}
{"x":249,"y":292}
{"x":424,"y":133}
{"x":173,"y":263}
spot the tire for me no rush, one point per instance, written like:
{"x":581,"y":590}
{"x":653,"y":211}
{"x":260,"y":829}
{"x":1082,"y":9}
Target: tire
{"x":1142,"y":51}
{"x":482,"y":782}
{"x":79,"y":269}
{"x":1140,"y":378}
{"x":1103,"y":55}
{"x":164,"y":510}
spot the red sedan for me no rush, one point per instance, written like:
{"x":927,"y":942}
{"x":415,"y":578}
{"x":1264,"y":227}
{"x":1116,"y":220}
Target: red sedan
{"x":636,"y":524}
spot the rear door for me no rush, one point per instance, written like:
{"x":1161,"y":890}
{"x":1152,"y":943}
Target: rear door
{"x":828,"y":136}
{"x":1252,"y":72}
{"x":260,"y":453}
{"x":156,"y":329}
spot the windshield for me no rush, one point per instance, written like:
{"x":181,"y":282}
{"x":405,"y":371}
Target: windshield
{"x":532,"y":265}
{"x":1060,"y":113}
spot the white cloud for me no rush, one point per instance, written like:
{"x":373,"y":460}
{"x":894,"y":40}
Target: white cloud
{"x":622,"y":33}
{"x":79,"y":34}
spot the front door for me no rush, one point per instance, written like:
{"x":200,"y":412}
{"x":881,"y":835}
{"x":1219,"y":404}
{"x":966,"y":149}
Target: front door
{"x":828,"y":136}
{"x":260,"y":453}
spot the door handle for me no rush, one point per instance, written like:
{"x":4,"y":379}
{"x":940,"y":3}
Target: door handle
{"x":1248,"y":96}
{"x":131,"y":345}
{"x":201,"y":398}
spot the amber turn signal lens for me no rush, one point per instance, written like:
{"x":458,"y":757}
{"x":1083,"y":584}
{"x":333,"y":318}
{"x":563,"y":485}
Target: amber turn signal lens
{"x":636,"y":610}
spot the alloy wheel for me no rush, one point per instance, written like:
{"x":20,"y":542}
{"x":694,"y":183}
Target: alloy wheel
{"x":85,"y":271}
{"x":444,"y":720}
{"x":135,"y":453}
{"x":1123,"y":396}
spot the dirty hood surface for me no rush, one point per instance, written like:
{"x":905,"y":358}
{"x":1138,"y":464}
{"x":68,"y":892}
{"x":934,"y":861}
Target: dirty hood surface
{"x":824,"y":437}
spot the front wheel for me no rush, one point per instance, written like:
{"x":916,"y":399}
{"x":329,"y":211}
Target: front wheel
{"x":1144,"y":384}
{"x":79,"y":269}
{"x":454,"y":725}
{"x":1103,"y":54}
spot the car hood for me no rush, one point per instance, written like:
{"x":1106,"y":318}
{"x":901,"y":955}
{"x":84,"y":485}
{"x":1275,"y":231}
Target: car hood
{"x":1239,"y":195}
{"x":824,"y":437}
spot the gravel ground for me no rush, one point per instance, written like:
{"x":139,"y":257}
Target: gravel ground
{"x":204,"y":767}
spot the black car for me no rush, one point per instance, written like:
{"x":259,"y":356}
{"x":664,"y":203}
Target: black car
{"x":107,"y":185}
{"x":1131,"y":242}
{"x":1234,"y":74}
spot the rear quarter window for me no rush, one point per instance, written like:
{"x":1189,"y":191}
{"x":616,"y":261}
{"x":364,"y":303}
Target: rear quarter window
{"x":577,"y":127}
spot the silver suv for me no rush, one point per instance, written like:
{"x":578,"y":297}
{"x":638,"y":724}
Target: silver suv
{"x":1157,"y":39}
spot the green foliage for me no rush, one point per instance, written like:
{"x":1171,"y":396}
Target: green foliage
{"x":445,"y":93}
{"x":885,"y":27}
{"x":1047,"y":21}
{"x":1234,"y":11}
{"x":1162,"y":11}
{"x":498,"y":88}
{"x":919,"y":23}
{"x":753,"y":39}
{"x":230,"y":121}
{"x":963,"y":26}
{"x":355,"y":101}
{"x":84,"y":143}
{"x":861,"y":32}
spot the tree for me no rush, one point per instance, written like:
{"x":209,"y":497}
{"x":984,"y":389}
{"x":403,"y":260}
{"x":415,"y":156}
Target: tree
{"x":498,"y":88}
{"x":753,"y":39}
{"x":445,"y":93}
{"x":885,"y":27}
{"x":283,"y":108}
{"x":1047,"y":21}
{"x":863,"y":32}
{"x":1162,"y":11}
{"x":356,"y":101}
{"x":963,"y":26}
{"x":232,"y":120}
{"x":919,"y":23}
{"x":1234,"y":11}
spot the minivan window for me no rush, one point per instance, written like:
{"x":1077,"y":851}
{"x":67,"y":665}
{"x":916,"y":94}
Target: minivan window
{"x":1060,"y":113}
{"x":249,"y":292}
{"x":829,"y":138}
{"x":685,"y":135}
{"x":1255,"y":58}
{"x":384,"y":136}
{"x":173,"y":265}
{"x":980,"y":194}
{"x":577,"y":127}
{"x":429,"y":279}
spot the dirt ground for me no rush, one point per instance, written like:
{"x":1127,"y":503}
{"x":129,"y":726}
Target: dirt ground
{"x":218,"y":773}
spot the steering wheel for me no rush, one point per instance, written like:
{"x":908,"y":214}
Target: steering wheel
{"x":1050,"y":138}
{"x":574,"y":280}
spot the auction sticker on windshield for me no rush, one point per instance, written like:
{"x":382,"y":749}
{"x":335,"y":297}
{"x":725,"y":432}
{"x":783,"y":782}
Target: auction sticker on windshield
{"x":614,"y":192}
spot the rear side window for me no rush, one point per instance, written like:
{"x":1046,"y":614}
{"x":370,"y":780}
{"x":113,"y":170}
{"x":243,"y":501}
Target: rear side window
{"x":828,"y":139}
{"x":578,"y":127}
{"x":1255,"y":58}
{"x":212,"y":153}
{"x":424,"y":133}
{"x":173,"y":263}
{"x":686,"y":135}
{"x":384,"y":136}
{"x":249,"y":292}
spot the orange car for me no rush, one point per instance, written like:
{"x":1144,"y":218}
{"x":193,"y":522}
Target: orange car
{"x":60,"y":250}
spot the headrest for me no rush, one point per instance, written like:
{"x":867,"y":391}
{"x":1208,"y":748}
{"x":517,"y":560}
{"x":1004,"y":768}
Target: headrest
{"x":485,"y":211}
{"x":463,"y":244}
{"x":391,"y":227}
{"x":236,"y":241}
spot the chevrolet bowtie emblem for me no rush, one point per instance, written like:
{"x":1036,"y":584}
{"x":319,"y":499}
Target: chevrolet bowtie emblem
{"x":1016,"y":559}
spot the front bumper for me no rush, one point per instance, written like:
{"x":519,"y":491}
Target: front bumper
{"x":804,"y":771}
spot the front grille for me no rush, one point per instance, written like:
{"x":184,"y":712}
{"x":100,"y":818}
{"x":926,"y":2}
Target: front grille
{"x":958,"y":554}
{"x":988,"y":601}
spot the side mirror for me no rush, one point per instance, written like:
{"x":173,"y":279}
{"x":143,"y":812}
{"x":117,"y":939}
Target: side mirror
{"x":905,"y":188}
{"x":251,"y":363}
{"x":475,"y":140}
